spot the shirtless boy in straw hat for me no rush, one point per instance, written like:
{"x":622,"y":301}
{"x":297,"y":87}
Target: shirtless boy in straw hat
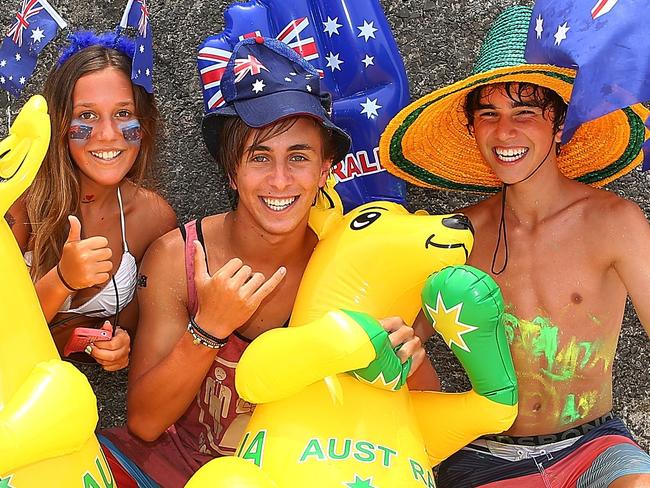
{"x":565,"y":254}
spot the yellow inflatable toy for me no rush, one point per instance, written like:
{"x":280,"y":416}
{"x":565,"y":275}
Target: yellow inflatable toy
{"x":48,"y":411}
{"x":332,"y":407}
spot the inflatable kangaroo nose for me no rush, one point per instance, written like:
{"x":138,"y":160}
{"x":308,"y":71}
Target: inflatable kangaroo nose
{"x":459,"y":222}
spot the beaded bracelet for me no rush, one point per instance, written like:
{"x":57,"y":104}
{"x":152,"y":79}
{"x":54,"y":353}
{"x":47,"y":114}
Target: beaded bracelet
{"x":201,"y":336}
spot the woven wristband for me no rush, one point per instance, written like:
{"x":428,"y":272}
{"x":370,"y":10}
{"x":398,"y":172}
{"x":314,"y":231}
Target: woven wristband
{"x":203,"y":337}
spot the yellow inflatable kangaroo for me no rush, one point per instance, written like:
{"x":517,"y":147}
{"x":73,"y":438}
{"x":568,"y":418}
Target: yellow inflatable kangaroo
{"x":48,"y":411}
{"x":332,"y":408}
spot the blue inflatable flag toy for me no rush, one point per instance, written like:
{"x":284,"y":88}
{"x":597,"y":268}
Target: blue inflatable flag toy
{"x":606,"y":41}
{"x":352,"y":47}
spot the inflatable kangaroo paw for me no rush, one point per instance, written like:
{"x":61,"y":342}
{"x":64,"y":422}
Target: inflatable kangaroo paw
{"x":53,"y":413}
{"x":465,"y":307}
{"x":449,"y":421}
{"x":230,"y":471}
{"x":282,"y":362}
{"x":386,"y":371}
{"x":23,"y":150}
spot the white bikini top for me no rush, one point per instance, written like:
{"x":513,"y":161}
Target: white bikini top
{"x":118,"y":292}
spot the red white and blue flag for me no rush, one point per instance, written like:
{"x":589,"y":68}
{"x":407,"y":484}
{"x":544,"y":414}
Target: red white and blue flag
{"x":136,"y":15}
{"x":212,"y":61}
{"x":352,"y":48}
{"x":36,"y":24}
{"x":607,"y":42}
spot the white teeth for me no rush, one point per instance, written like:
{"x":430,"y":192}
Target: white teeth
{"x":278,"y":204}
{"x":510,"y":155}
{"x":106,"y":155}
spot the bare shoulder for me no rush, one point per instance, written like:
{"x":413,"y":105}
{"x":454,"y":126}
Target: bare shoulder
{"x":612,"y":212}
{"x":149,"y":204}
{"x":148,"y":216}
{"x":483,"y":212}
{"x":169,"y":247}
{"x":618,"y":223}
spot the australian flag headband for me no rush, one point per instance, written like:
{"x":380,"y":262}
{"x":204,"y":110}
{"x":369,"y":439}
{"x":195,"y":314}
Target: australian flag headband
{"x":84,"y":38}
{"x":139,"y":50}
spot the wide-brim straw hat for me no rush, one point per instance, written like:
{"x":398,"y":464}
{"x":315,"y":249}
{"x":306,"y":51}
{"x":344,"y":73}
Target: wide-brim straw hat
{"x":429,"y":145}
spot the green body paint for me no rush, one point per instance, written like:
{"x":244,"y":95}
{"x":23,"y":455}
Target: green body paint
{"x":540,"y":338}
{"x":575,"y":410}
{"x":570,"y":411}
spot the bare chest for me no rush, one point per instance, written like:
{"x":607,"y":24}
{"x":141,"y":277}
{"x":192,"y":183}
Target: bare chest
{"x":559,"y":270}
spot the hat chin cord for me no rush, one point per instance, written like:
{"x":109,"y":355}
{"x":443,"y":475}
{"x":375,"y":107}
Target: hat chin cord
{"x":502,"y":220}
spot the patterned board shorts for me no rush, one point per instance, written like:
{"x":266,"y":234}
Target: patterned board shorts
{"x":593,"y":460}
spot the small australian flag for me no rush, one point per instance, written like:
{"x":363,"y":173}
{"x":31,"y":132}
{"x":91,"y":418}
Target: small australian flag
{"x":606,"y":41}
{"x":36,"y":24}
{"x":136,"y":15}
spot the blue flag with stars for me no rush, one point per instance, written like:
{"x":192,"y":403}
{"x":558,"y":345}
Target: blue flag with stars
{"x":136,"y":15}
{"x":606,"y":41}
{"x":36,"y":24}
{"x":352,"y":47}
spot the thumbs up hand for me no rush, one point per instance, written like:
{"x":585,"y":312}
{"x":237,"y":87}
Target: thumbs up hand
{"x":84,"y":262}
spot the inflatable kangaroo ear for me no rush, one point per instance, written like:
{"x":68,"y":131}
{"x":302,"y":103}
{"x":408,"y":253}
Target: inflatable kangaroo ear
{"x":327,"y":209}
{"x":23,"y":150}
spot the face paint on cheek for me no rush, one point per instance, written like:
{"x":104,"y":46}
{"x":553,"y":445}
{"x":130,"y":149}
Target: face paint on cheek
{"x":79,"y":131}
{"x":131,"y":131}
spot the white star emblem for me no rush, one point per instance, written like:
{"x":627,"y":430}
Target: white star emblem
{"x":141,"y":48}
{"x":309,"y":88}
{"x":2,"y":80}
{"x":139,"y":71}
{"x":367,"y":30}
{"x":37,"y":34}
{"x":368,"y":60}
{"x":447,"y":323}
{"x":560,"y":35}
{"x":539,"y":26}
{"x":258,"y":86}
{"x":18,"y":56}
{"x":147,"y":72}
{"x":22,"y":80}
{"x":333,"y":62}
{"x":3,"y":63}
{"x":332,"y":26}
{"x":370,"y":108}
{"x":287,"y":79}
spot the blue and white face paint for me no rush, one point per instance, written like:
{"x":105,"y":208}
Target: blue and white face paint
{"x":80,"y":131}
{"x":131,"y":131}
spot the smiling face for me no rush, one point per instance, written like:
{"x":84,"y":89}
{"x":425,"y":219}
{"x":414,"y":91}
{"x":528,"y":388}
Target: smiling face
{"x":513,"y":132}
{"x":103,"y":138}
{"x":277,"y":179}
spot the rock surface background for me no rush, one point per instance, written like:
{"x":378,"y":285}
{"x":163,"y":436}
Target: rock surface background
{"x":438,"y":40}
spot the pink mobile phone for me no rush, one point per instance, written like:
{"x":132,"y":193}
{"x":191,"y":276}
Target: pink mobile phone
{"x":83,"y":336}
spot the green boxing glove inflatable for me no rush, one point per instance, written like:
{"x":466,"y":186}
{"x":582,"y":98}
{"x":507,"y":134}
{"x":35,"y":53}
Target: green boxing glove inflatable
{"x":386,"y":371}
{"x":465,"y":306}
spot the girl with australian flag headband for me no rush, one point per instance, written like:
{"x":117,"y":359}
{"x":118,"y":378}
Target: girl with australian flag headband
{"x":84,"y":241}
